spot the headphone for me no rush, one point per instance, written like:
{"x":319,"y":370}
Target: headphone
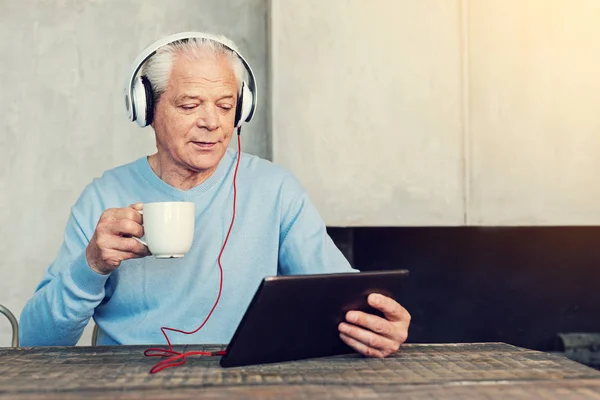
{"x":139,"y":100}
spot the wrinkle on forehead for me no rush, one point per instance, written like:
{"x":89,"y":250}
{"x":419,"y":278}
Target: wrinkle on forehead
{"x":214,"y":72}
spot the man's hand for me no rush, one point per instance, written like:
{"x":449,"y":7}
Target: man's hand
{"x":372,"y":335}
{"x":113,"y":240}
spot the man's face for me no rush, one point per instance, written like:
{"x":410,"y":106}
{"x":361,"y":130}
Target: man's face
{"x":195,"y":115}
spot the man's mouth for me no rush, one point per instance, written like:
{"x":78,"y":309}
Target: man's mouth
{"x":205,"y":145}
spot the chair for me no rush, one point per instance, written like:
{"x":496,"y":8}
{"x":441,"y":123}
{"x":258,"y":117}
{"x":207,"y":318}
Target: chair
{"x":13,"y":323}
{"x":95,"y":335}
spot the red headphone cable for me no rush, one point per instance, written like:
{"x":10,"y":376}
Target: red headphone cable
{"x":175,"y":358}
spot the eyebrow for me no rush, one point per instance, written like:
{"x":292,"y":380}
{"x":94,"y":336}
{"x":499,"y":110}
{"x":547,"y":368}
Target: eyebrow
{"x":193,"y":97}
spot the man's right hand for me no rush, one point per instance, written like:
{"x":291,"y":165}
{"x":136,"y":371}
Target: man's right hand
{"x":113,"y":240}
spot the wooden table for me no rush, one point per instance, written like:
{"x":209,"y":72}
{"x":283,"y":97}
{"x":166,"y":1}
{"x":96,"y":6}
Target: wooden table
{"x":453,"y":371}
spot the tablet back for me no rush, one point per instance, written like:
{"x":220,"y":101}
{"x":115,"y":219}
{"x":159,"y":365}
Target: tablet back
{"x":296,"y":317}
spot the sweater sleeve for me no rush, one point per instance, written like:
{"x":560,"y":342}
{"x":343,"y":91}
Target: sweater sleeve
{"x":64,"y":301}
{"x":305,"y":247}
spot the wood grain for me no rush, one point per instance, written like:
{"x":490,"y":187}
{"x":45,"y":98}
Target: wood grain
{"x":417,"y":371}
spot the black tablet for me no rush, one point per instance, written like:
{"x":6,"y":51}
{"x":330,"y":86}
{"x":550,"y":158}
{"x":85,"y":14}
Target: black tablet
{"x":296,"y":317}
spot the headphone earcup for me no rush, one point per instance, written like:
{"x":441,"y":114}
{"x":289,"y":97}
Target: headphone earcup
{"x":143,"y":102}
{"x":138,"y":99}
{"x":149,"y":100}
{"x":244,"y":105}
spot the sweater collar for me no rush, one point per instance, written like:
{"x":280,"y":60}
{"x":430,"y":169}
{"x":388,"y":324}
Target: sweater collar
{"x":150,"y":176}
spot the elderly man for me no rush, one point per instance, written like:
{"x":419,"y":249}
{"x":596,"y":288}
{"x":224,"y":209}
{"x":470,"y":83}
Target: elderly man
{"x":101,"y":271}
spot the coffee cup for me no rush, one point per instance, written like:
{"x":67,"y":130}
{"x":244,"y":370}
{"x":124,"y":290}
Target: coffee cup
{"x":168,"y":228}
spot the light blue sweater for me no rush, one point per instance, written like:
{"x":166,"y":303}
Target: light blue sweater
{"x":276,"y":231}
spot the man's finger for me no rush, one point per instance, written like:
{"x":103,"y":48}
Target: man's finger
{"x":126,"y":255}
{"x":371,"y":322}
{"x":127,"y":228}
{"x":369,"y":338}
{"x":130,"y":245}
{"x":137,"y":206}
{"x":389,"y":307}
{"x":361,"y":347}
{"x":128,"y":213}
{"x":114,"y":258}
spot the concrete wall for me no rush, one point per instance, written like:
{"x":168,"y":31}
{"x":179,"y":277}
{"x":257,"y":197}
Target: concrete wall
{"x":367,"y":108}
{"x":534,"y":101}
{"x":62,"y":115}
{"x":440,"y":112}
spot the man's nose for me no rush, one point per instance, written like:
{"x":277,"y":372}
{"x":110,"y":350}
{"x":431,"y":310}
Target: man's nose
{"x":209,"y":118}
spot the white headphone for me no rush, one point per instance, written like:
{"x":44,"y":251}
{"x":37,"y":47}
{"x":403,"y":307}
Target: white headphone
{"x":138,"y":91}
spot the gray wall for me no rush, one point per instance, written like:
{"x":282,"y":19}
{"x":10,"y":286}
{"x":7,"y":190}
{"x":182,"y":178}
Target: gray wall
{"x":380,"y":81}
{"x":62,"y":115}
{"x":440,"y":112}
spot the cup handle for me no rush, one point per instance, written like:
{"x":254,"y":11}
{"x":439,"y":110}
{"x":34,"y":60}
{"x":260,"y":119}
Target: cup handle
{"x":138,"y":239}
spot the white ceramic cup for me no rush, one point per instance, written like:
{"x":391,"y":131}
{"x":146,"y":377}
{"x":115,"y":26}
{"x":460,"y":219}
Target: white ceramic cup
{"x":168,"y":228}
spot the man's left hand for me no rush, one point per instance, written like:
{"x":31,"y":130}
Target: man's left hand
{"x":372,"y":335}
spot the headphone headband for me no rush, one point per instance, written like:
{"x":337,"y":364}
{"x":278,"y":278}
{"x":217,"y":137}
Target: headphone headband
{"x":153,"y":48}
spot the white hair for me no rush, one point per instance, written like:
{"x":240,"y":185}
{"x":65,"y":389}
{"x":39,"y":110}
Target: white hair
{"x":158,"y":67}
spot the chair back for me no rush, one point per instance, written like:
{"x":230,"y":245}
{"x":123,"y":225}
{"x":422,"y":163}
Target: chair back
{"x":13,"y":323}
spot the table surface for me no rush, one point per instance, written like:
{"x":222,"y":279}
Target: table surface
{"x":417,"y":371}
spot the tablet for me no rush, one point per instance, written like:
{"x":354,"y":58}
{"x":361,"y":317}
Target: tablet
{"x":296,"y":317}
